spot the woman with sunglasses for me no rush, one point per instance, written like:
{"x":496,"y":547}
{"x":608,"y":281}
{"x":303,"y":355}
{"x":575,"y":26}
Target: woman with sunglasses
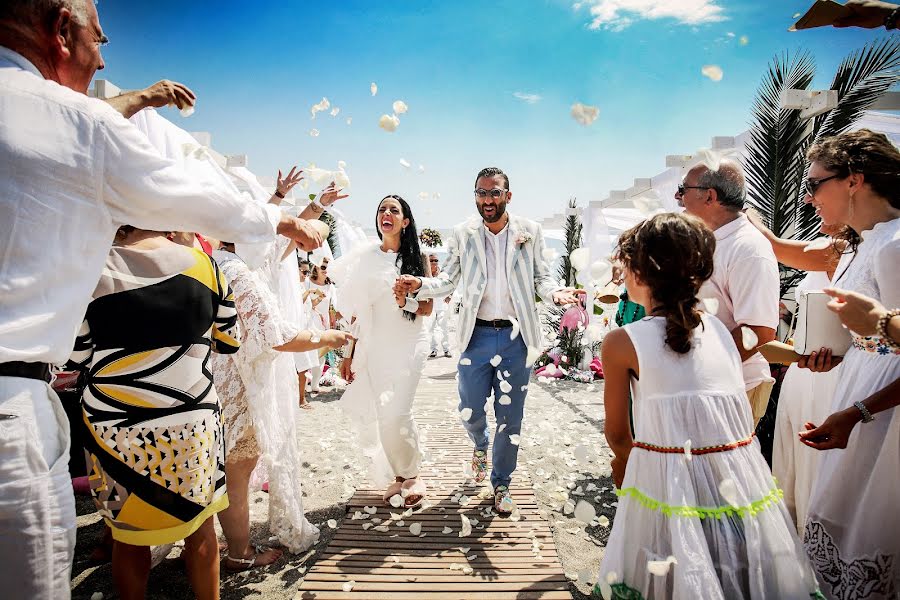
{"x":384,"y":367}
{"x":851,"y":531}
{"x":321,"y":297}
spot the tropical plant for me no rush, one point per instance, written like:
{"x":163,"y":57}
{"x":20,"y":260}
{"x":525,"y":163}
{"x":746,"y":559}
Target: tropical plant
{"x":573,"y":242}
{"x":775,"y":160}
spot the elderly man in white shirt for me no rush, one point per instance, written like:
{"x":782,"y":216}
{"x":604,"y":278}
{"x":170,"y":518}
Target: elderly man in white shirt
{"x":72,"y":170}
{"x":745,"y":285}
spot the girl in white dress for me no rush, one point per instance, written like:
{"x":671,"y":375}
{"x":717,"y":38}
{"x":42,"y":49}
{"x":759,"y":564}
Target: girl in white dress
{"x":304,"y":361}
{"x":699,"y":514}
{"x":321,"y":297}
{"x":392,"y":343}
{"x":853,"y":530}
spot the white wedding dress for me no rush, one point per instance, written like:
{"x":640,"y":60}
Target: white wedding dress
{"x":387,"y":363}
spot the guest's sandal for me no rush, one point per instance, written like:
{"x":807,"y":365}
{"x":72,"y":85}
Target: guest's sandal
{"x":259,"y":559}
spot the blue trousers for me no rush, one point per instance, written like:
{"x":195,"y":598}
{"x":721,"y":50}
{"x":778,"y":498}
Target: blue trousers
{"x":476,"y":382}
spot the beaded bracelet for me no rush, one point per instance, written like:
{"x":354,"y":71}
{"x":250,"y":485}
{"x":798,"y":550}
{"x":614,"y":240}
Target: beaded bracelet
{"x":881,"y":328}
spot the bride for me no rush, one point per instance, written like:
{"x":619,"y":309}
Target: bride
{"x":387,"y":360}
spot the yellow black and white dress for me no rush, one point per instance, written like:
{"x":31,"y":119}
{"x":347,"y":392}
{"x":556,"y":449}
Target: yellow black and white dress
{"x":154,"y":441}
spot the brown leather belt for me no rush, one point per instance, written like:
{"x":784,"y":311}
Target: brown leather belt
{"x":27,"y":370}
{"x":496,"y":323}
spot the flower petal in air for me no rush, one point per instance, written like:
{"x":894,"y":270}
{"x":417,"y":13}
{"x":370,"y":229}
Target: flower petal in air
{"x":749,"y":339}
{"x":389,"y":122}
{"x":373,"y":88}
{"x":496,"y":360}
{"x":399,"y":107}
{"x":713,"y":72}
{"x":584,"y":113}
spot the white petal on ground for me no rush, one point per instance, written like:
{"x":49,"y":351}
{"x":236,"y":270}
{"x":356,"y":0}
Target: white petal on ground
{"x":446,"y":530}
{"x":568,"y":507}
{"x":389,"y":122}
{"x":515,"y":328}
{"x":466,"y":526}
{"x":366,"y":526}
{"x":370,"y":509}
{"x":405,"y":163}
{"x":455,"y":567}
{"x":313,"y":132}
{"x":415,"y":528}
{"x":347,"y":587}
{"x":373,"y":88}
{"x":505,"y":387}
{"x":579,"y":258}
{"x":465,"y":414}
{"x":505,"y":400}
{"x":514,"y":439}
{"x":603,"y":521}
{"x":467,"y":570}
{"x":818,"y":244}
{"x":396,"y":501}
{"x":584,"y":113}
{"x":465,"y":362}
{"x":710,"y":305}
{"x":496,"y":360}
{"x":713,"y":72}
{"x":97,"y":596}
{"x":399,"y":107}
{"x":332,"y":523}
{"x":749,"y":339}
{"x":571,"y":575}
{"x":729,"y":492}
{"x":585,"y":512}
{"x":581,"y":454}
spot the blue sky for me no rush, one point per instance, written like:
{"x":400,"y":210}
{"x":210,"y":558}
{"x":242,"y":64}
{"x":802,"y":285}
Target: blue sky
{"x":258,"y":67}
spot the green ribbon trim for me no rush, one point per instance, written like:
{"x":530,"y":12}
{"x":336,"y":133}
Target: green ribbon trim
{"x":750,"y":510}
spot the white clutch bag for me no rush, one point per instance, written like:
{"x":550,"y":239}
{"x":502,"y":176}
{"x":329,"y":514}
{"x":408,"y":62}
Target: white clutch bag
{"x":818,"y":327}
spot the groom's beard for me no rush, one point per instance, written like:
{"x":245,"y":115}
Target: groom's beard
{"x":498,"y":214}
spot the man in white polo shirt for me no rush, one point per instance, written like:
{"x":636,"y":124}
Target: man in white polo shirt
{"x":745,"y":281}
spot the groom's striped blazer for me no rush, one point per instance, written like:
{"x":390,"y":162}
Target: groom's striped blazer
{"x":526,"y":269}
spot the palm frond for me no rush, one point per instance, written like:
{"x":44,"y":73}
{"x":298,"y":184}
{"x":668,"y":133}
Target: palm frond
{"x":774,"y":160}
{"x":573,"y":242}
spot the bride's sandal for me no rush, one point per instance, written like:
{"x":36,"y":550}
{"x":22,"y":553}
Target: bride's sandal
{"x":260,"y":558}
{"x":393,"y":490}
{"x":413,"y":492}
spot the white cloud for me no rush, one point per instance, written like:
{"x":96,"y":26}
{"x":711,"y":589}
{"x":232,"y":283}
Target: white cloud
{"x":616,"y":15}
{"x":528,"y":98}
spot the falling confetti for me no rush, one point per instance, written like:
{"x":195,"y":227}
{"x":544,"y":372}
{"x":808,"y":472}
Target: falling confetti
{"x":496,"y":360}
{"x":505,"y":387}
{"x":421,"y":169}
{"x":579,"y":258}
{"x":515,"y":328}
{"x":710,"y":305}
{"x":713,"y":72}
{"x":373,"y":88}
{"x":660,"y":568}
{"x":465,"y":362}
{"x":313,"y":133}
{"x":532,"y":355}
{"x":389,"y":122}
{"x":465,"y":414}
{"x":404,"y":163}
{"x":584,"y":113}
{"x":349,"y":120}
{"x":501,"y":428}
{"x":514,"y":439}
{"x":335,"y":111}
{"x":399,"y":107}
{"x":743,"y":40}
{"x":749,"y":339}
{"x":323,"y":105}
{"x":505,"y":400}
{"x":821,"y":243}
{"x":729,"y":492}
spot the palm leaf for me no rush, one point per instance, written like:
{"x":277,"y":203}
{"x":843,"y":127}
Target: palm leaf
{"x":573,"y":242}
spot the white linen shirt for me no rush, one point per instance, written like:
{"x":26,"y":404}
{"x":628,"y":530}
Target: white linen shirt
{"x":72,"y":170}
{"x":746,"y":284}
{"x":497,"y":300}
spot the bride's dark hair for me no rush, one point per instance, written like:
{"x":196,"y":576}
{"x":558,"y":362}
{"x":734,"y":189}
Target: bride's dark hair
{"x":409,"y":257}
{"x":672,"y":254}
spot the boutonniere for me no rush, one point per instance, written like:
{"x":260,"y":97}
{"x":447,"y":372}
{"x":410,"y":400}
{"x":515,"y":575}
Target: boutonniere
{"x":522,"y":238}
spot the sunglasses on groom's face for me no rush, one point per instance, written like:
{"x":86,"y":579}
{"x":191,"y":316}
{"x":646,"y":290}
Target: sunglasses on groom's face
{"x":494,"y":193}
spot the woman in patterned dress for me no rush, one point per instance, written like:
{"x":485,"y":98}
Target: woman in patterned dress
{"x":153,"y":436}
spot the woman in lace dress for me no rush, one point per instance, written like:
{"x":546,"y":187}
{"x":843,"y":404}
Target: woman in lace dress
{"x":385,"y":366}
{"x":259,"y":398}
{"x":852,"y":530}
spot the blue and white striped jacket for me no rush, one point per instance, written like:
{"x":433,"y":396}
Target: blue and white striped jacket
{"x":526,"y":269}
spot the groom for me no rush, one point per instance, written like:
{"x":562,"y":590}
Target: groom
{"x":499,"y":262}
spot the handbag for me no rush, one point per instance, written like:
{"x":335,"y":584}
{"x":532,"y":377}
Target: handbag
{"x":818,"y":327}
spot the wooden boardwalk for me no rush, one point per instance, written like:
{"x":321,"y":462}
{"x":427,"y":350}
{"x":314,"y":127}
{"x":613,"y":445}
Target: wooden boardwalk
{"x":503,"y":557}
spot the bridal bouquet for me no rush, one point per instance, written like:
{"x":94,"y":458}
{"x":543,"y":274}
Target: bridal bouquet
{"x":430,"y":237}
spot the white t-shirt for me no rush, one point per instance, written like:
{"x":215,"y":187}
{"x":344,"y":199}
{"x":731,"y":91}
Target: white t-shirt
{"x":496,"y":303}
{"x":746,"y":284}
